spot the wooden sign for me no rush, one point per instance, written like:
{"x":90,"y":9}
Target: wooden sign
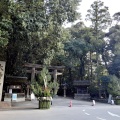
{"x":2,"y":71}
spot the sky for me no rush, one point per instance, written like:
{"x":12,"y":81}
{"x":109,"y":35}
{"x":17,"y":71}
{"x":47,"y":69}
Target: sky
{"x":113,"y":5}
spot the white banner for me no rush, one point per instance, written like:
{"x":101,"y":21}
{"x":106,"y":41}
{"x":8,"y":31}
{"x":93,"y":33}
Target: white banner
{"x":2,"y":71}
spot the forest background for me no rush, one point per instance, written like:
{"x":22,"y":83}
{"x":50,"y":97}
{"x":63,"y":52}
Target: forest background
{"x":33,"y":31}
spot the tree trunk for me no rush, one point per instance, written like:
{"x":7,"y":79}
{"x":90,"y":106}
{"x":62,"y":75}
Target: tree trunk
{"x":82,"y":68}
{"x":97,"y":75}
{"x":70,"y":74}
{"x":91,"y":75}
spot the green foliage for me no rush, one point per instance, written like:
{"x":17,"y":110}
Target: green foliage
{"x":43,"y":22}
{"x":37,"y":89}
{"x":54,"y":86}
{"x":44,"y":87}
{"x":114,"y":86}
{"x":77,"y":50}
{"x":46,"y":93}
{"x":101,"y":71}
{"x":5,"y":23}
{"x":114,"y":67}
{"x":4,"y":7}
{"x":99,"y":16}
{"x":117,"y":101}
{"x":44,"y":77}
{"x":116,"y":17}
{"x":113,"y":46}
{"x":40,"y":88}
{"x":36,"y":34}
{"x":93,"y":90}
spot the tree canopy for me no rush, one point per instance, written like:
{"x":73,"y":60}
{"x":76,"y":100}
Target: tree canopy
{"x":33,"y":31}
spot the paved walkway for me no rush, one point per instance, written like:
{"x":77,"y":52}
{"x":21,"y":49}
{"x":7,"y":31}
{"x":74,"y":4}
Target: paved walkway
{"x":57,"y":102}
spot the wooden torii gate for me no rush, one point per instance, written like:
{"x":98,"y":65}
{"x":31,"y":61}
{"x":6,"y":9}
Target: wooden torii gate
{"x":34,"y":69}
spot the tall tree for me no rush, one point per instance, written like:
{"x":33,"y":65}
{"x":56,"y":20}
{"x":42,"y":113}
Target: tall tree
{"x":116,"y":17}
{"x":114,"y":86}
{"x":114,"y":51}
{"x":100,"y":18}
{"x":5,"y":27}
{"x":37,"y":30}
{"x":77,"y":49}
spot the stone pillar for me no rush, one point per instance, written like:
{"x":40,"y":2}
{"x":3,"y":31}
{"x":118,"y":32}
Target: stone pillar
{"x":64,"y":91}
{"x":2,"y":70}
{"x":28,"y":91}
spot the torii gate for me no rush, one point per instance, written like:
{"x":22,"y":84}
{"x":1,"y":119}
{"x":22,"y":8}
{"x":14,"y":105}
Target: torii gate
{"x":34,"y":70}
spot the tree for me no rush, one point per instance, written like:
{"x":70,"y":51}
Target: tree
{"x":100,"y":18}
{"x":114,"y":51}
{"x":44,"y":22}
{"x":116,"y":17}
{"x":37,"y":31}
{"x":4,"y":35}
{"x":76,"y":51}
{"x":114,"y":86}
{"x":5,"y":27}
{"x":17,"y":43}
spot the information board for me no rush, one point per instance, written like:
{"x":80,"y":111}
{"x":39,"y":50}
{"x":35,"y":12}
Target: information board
{"x":14,"y":97}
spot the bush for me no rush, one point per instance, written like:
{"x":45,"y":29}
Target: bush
{"x":114,"y":86}
{"x":117,"y":101}
{"x":93,"y":90}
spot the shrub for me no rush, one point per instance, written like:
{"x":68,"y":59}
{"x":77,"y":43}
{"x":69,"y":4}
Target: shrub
{"x":117,"y":101}
{"x":114,"y":86}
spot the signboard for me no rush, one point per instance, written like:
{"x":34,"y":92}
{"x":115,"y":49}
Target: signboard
{"x":14,"y":97}
{"x":2,"y":71}
{"x":10,"y":91}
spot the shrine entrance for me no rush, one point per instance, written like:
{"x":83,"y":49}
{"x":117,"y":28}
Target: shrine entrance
{"x":81,"y":87}
{"x":15,"y":85}
{"x":34,"y":69}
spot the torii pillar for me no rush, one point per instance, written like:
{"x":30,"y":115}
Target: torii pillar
{"x":33,"y":75}
{"x":55,"y":80}
{"x":55,"y":74}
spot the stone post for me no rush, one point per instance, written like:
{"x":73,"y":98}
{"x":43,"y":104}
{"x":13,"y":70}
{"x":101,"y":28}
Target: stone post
{"x":64,"y":90}
{"x":28,"y":91}
{"x":2,"y":71}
